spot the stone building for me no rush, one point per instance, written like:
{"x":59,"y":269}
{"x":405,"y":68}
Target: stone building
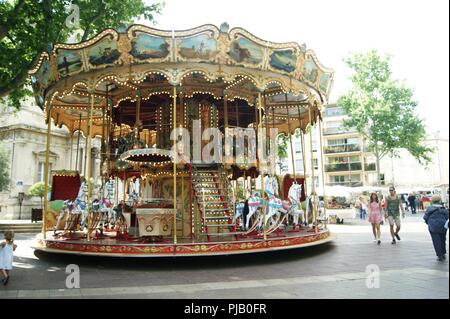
{"x":23,"y":135}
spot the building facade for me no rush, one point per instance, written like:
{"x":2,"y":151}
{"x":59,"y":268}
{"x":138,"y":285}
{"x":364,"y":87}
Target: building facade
{"x":23,"y":136}
{"x":347,"y":161}
{"x":406,"y":172}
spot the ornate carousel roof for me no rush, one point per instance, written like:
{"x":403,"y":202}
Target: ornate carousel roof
{"x":117,"y":66}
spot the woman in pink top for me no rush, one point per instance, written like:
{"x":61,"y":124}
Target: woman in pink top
{"x":375,"y":216}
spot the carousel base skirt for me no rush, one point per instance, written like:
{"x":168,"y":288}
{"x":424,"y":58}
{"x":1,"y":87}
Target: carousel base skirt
{"x":112,"y":246}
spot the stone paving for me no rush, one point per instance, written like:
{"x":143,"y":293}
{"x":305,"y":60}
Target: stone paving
{"x":336,"y":270}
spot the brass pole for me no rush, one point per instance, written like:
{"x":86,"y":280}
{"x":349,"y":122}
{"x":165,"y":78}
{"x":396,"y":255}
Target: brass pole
{"x":323,"y":172}
{"x":78,"y":143}
{"x":174,"y":166}
{"x":88,"y":151}
{"x":302,"y":139}
{"x":260,"y":145}
{"x":313,"y":182}
{"x":225,"y":111}
{"x":85,"y":149}
{"x":290,"y":135}
{"x":46,"y":181}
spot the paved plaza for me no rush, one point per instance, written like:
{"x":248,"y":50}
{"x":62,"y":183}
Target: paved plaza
{"x":341,"y":269}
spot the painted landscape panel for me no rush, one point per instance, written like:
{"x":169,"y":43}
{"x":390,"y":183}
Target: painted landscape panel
{"x":68,"y":62}
{"x":199,"y":47}
{"x":310,"y":70}
{"x":284,"y":60}
{"x":145,"y":47}
{"x":44,"y":74}
{"x":245,"y":51}
{"x":324,"y":82}
{"x":104,"y":52}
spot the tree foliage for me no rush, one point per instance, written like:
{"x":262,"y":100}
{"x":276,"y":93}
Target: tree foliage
{"x":29,"y":27}
{"x":382,"y":109}
{"x":38,"y":190}
{"x":4,"y":170}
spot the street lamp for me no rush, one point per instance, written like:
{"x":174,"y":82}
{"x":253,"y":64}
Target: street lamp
{"x":20,"y":196}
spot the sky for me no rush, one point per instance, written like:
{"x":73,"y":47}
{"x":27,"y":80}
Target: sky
{"x":414,"y":32}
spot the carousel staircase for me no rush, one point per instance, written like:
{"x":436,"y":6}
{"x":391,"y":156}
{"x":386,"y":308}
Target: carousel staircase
{"x":211,"y":191}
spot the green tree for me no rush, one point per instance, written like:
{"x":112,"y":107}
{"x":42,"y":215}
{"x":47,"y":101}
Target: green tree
{"x":38,"y":190}
{"x":4,"y":170}
{"x":29,"y":27}
{"x":383,"y":110}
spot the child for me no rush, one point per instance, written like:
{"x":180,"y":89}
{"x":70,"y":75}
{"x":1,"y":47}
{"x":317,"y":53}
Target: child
{"x":6,"y":255}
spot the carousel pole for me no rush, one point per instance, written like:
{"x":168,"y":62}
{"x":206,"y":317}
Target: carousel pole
{"x":302,"y":139}
{"x":103,"y":145}
{"x":46,"y":181}
{"x":260,"y":145}
{"x":290,"y":135}
{"x":174,"y":118}
{"x":88,"y":151}
{"x":183,"y":193}
{"x":323,"y":172}
{"x":313,"y":182}
{"x":78,"y":143}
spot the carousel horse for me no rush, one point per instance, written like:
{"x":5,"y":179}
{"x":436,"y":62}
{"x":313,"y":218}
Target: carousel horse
{"x":254,"y":202}
{"x":294,"y":195}
{"x":108,"y":201}
{"x":239,"y":213}
{"x":96,"y":215}
{"x":80,"y":202}
{"x":62,"y":217}
{"x":273,"y":209}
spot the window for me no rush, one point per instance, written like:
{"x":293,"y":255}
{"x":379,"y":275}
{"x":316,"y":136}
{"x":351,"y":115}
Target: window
{"x":299,"y":165}
{"x":41,"y":171}
{"x":316,"y":163}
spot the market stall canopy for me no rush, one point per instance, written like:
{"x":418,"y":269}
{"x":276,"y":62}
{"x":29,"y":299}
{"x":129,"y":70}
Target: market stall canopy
{"x":119,"y":65}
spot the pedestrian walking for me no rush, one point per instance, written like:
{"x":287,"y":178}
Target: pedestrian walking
{"x":362,"y":208}
{"x":393,"y":206}
{"x":375,"y":216}
{"x":436,"y":218}
{"x":7,"y":249}
{"x":412,"y":202}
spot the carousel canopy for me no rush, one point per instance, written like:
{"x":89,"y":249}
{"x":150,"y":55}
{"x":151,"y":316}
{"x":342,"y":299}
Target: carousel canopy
{"x":117,"y":66}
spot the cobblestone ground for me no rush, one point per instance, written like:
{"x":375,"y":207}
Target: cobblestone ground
{"x":336,"y":270}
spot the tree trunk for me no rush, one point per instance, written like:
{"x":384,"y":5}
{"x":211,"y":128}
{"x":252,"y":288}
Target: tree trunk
{"x":377,"y":155}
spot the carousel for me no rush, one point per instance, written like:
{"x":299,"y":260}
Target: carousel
{"x":188,"y":124}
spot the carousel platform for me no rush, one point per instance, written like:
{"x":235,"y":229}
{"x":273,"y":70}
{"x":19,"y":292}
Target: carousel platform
{"x":112,"y":246}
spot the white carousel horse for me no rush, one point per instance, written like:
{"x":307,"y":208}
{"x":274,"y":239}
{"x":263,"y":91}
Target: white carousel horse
{"x":254,"y":202}
{"x":133,"y":195}
{"x":81,"y":201}
{"x":239,"y":213}
{"x":273,"y":208}
{"x":108,"y":201}
{"x":271,"y":185}
{"x":294,"y":195}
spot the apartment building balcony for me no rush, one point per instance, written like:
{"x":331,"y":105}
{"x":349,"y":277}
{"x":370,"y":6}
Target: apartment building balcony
{"x":342,"y":148}
{"x":337,"y":130}
{"x":370,"y":166}
{"x":343,"y":167}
